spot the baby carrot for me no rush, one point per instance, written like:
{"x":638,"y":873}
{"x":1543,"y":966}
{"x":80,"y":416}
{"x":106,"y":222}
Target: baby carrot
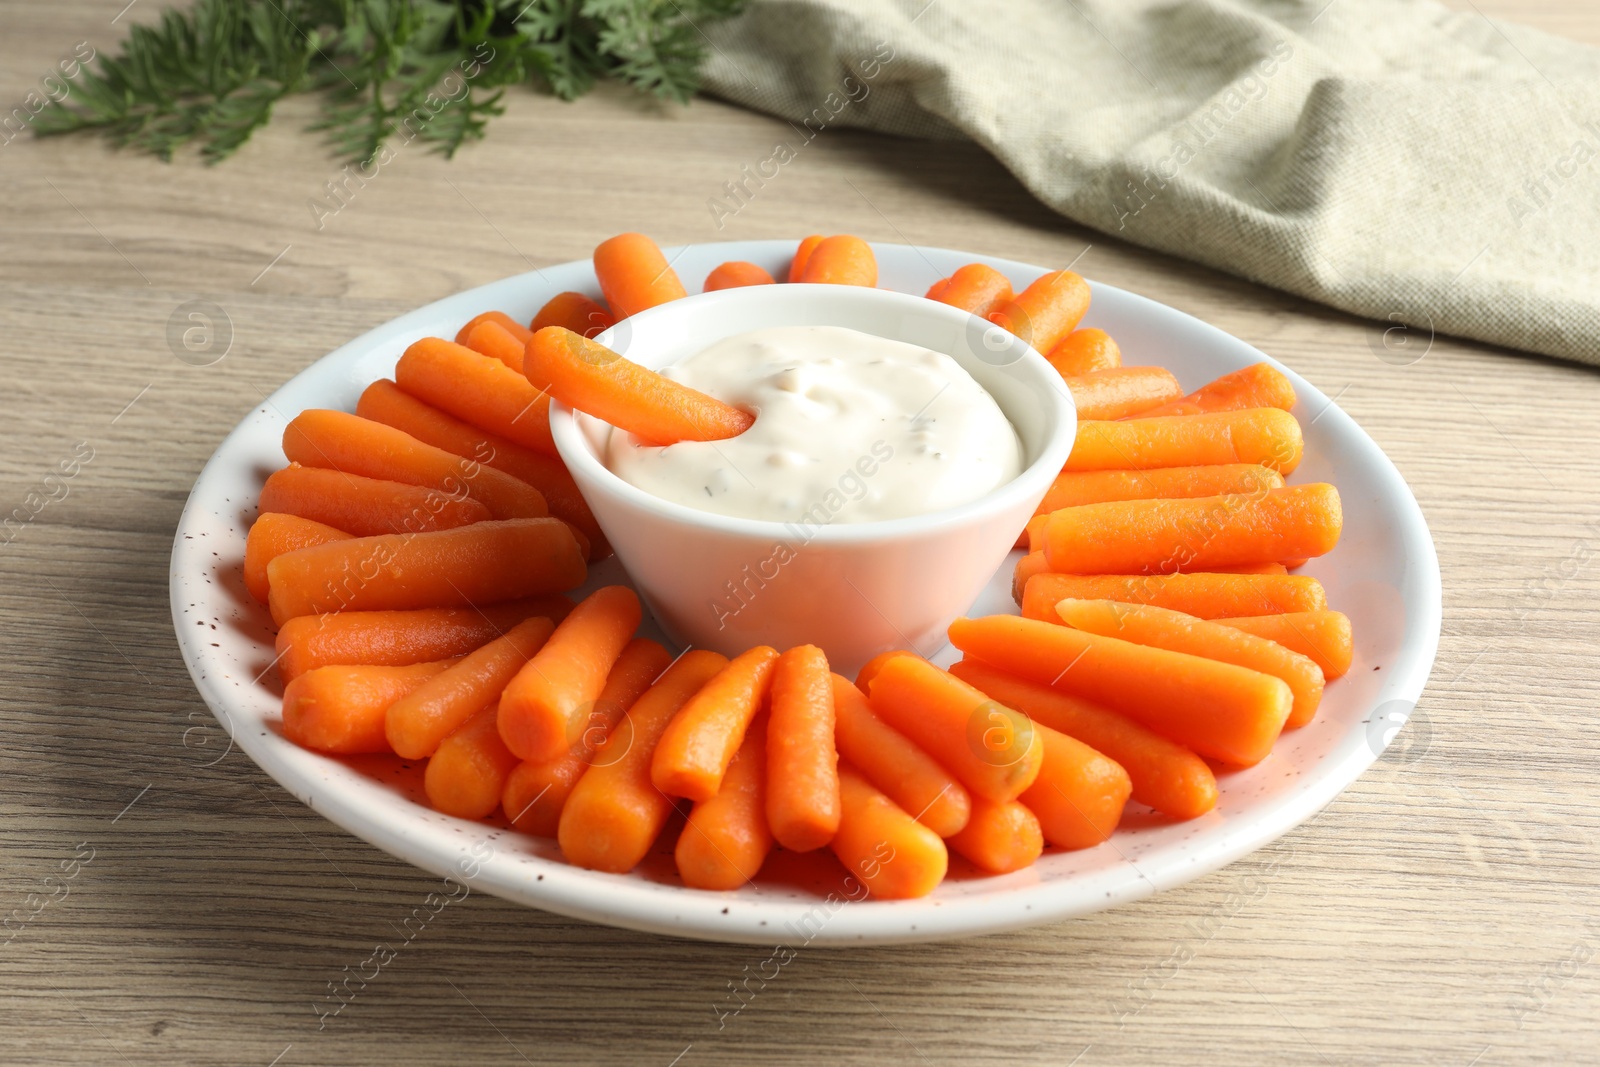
{"x":417,"y":722}
{"x":1173,"y":630}
{"x":1259,"y":385}
{"x":936,"y":290}
{"x":1028,"y":566}
{"x":1046,"y":311}
{"x":1164,"y":774}
{"x":841,"y":260}
{"x":1001,"y":837}
{"x":975,"y":288}
{"x":895,"y":856}
{"x":1084,"y":352}
{"x":1203,"y":595}
{"x":695,"y":750}
{"x":1080,"y":793}
{"x":1268,"y":436}
{"x":485,"y":563}
{"x":574,"y":312}
{"x":340,"y":441}
{"x":868,"y":672}
{"x":893,"y":763}
{"x":991,"y":749}
{"x":537,"y":789}
{"x":396,"y":638}
{"x":499,"y":318}
{"x":466,"y":774}
{"x":802,"y":803}
{"x":634,"y":275}
{"x":340,"y":709}
{"x":797,"y":266}
{"x":1111,"y":394}
{"x":1035,"y":563}
{"x":736,"y":274}
{"x":479,"y":389}
{"x":1033,"y":533}
{"x":1322,"y":636}
{"x":1160,"y":536}
{"x":614,"y":813}
{"x":1072,"y":488}
{"x":542,"y":709}
{"x":271,"y":535}
{"x":363,"y":506}
{"x":385,"y":402}
{"x":1250,"y":568}
{"x":726,"y":838}
{"x":599,"y":382}
{"x":1220,"y":710}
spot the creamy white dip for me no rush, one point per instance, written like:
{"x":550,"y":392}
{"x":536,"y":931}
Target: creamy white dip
{"x":849,"y":428}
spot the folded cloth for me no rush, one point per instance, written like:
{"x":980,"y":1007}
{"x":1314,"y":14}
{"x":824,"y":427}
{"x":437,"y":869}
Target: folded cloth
{"x":1431,"y":169}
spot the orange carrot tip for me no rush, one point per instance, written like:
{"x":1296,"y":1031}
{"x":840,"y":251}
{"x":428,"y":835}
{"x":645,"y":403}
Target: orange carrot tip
{"x":999,"y":837}
{"x":271,"y":535}
{"x":634,"y":274}
{"x":1322,"y":636}
{"x":341,"y":709}
{"x":842,"y":260}
{"x":419,"y":721}
{"x":726,"y":838}
{"x":895,"y":856}
{"x":736,"y":274}
{"x":1080,"y":793}
{"x":1085,"y":351}
{"x":469,"y":769}
{"x":1119,"y":391}
{"x":896,"y":765}
{"x":700,"y":742}
{"x":867,"y":673}
{"x":1046,"y":311}
{"x":499,"y":318}
{"x":991,"y":749}
{"x":974,"y":288}
{"x":480,"y":383}
{"x":542,"y":707}
{"x":1260,"y":385}
{"x":797,"y":267}
{"x":573,"y":311}
{"x":597,"y":381}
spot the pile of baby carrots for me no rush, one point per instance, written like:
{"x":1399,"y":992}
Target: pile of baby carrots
{"x":414,"y":555}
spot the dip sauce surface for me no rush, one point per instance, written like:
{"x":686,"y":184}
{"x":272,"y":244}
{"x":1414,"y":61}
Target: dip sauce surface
{"x":849,"y":428}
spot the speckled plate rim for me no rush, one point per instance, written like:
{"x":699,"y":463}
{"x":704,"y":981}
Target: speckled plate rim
{"x":1385,"y":574}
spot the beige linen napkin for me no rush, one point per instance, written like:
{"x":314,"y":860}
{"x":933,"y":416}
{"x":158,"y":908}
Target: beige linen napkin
{"x":1388,"y":157}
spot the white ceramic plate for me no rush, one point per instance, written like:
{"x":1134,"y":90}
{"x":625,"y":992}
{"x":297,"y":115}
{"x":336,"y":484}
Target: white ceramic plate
{"x":1384,"y":575}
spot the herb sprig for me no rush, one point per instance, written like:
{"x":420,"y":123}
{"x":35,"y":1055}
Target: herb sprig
{"x":213,"y":73}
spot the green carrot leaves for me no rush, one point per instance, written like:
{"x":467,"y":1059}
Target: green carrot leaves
{"x":434,"y":69}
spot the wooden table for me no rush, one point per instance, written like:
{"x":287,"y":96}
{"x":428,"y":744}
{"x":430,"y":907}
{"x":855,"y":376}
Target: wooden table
{"x":1441,"y":911}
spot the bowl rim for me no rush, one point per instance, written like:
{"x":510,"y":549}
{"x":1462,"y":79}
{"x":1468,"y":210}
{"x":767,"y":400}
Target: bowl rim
{"x":1033,"y":480}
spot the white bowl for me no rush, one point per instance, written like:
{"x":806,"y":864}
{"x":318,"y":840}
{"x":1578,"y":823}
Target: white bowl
{"x":855,"y":589}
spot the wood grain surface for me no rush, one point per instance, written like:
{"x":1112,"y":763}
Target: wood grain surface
{"x":176,"y":906}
